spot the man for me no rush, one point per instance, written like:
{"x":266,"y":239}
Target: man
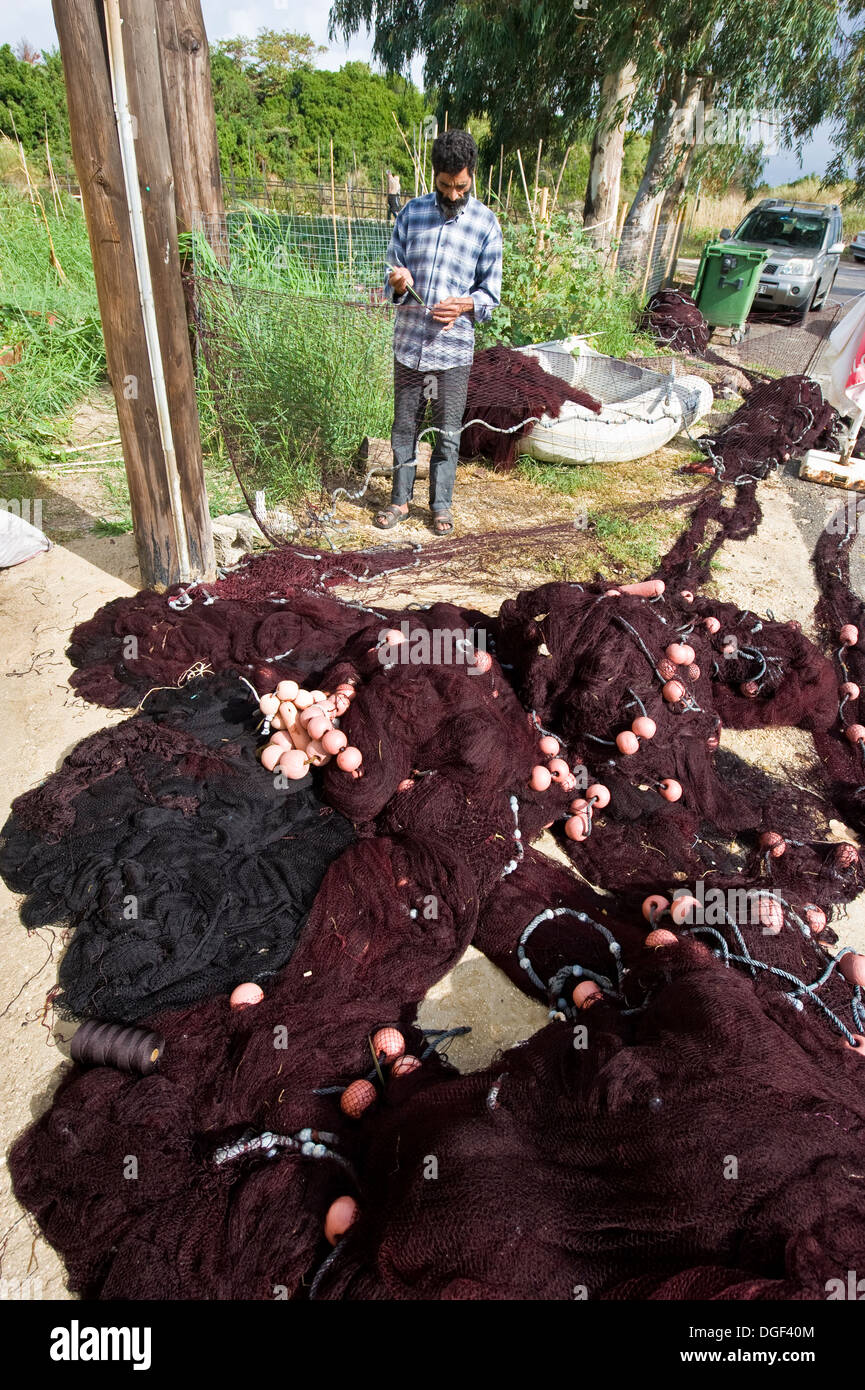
{"x":393,"y":194}
{"x":445,"y":255}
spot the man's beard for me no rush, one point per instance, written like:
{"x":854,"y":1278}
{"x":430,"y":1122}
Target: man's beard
{"x":451,"y":208}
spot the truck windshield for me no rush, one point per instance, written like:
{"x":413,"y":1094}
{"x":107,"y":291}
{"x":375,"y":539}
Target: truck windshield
{"x":796,"y":230}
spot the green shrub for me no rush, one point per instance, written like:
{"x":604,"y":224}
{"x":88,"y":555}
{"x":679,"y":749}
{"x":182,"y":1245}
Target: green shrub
{"x":559,"y":285}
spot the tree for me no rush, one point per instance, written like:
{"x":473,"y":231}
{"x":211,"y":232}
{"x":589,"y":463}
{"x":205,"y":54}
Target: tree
{"x":746,"y":57}
{"x":271,"y":53}
{"x":550,"y":70}
{"x":848,"y":104}
{"x":33,"y":100}
{"x":283,"y":124}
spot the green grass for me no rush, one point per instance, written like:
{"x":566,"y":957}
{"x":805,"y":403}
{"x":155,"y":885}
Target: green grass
{"x":300,"y":381}
{"x":556,"y":477}
{"x":53,"y":316}
{"x":627,"y":543}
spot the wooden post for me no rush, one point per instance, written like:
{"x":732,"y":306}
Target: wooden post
{"x":501,"y":169}
{"x":674,"y":249}
{"x":490,"y":187}
{"x":191,"y":121}
{"x":97,"y":155}
{"x":508,"y":201}
{"x":333,"y":210}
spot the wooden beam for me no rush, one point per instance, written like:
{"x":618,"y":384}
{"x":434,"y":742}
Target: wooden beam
{"x":190,"y":120}
{"x":96,"y":153}
{"x":158,"y":181}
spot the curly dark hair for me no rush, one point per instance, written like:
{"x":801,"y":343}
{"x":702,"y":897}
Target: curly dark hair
{"x":454,"y":150}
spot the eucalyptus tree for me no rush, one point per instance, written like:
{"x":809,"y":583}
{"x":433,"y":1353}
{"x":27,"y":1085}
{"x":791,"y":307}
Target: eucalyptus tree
{"x":552,"y":69}
{"x":721,"y":67}
{"x":848,"y":104}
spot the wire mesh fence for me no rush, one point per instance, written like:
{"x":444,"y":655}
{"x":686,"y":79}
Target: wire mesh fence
{"x":292,"y":383}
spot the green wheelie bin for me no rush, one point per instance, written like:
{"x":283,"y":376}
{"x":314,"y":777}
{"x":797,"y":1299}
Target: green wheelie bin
{"x":727,"y":280}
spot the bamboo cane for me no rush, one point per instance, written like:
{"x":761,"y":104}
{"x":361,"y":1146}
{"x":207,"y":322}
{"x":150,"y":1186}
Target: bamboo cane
{"x":59,"y":210}
{"x":490,"y":187}
{"x":537,"y":174}
{"x":648,"y":269}
{"x":508,"y":199}
{"x":526,"y":191}
{"x":559,"y":179}
{"x":501,"y":169}
{"x":333,"y":210}
{"x":622,"y":215}
{"x":673,"y":256}
{"x":408,"y":148}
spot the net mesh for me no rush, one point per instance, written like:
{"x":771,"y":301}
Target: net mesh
{"x":729,"y":1037}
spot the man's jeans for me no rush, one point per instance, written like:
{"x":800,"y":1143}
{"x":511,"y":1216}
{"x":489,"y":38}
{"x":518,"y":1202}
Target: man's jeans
{"x":445,"y":391}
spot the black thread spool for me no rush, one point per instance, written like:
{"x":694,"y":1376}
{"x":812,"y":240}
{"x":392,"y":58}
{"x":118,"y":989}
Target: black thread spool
{"x":117,"y":1045}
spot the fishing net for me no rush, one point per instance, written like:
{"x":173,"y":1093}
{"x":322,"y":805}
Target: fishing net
{"x":674,"y":320}
{"x":509,"y":392}
{"x":687,"y":1123}
{"x":686,"y":1126}
{"x":181,"y":868}
{"x":778,"y":420}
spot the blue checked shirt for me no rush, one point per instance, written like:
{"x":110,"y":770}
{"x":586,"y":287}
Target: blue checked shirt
{"x":446,"y":258}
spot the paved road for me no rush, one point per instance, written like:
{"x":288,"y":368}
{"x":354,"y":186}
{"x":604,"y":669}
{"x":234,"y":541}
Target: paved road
{"x":812,"y":502}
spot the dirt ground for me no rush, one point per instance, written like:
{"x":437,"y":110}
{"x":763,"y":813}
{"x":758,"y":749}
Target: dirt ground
{"x":40,"y":721}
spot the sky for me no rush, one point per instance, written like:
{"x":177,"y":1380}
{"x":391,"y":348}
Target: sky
{"x":224,"y":20}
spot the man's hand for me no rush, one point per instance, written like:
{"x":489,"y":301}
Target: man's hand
{"x":450,"y":309}
{"x":400,"y":278}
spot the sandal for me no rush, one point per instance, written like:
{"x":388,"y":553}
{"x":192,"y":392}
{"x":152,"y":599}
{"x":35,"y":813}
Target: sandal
{"x":443,"y":522}
{"x":389,"y":516}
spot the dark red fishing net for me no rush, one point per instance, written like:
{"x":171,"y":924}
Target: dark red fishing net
{"x":693,"y":1134}
{"x":509,"y":392}
{"x":778,"y":420}
{"x":675,"y":322}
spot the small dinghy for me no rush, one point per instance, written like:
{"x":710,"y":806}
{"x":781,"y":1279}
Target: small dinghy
{"x":642,"y":409}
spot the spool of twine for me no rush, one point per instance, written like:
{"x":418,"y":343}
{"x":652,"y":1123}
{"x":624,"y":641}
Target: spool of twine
{"x":117,"y":1045}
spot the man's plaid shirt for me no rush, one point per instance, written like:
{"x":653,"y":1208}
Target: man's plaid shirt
{"x":460,"y":257}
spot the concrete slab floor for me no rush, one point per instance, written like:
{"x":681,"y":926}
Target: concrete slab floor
{"x":40,"y":720}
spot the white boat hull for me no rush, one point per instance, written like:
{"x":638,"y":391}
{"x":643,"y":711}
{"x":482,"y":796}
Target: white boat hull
{"x":642,"y":409}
